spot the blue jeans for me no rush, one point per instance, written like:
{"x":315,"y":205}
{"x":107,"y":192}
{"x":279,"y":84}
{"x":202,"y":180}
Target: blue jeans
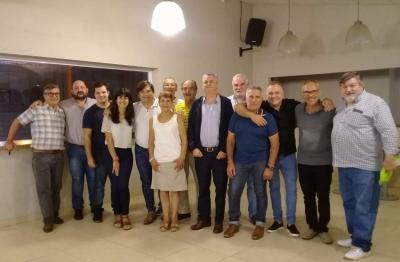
{"x":251,"y":197}
{"x":236,"y":185}
{"x":288,"y":166}
{"x":78,"y":168}
{"x":145,"y":173}
{"x":360,"y":192}
{"x":100,"y":182}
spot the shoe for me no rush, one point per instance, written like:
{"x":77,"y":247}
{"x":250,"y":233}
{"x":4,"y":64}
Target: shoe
{"x":309,"y":234}
{"x":258,"y":232}
{"x":345,"y":242}
{"x":78,"y":215}
{"x":58,"y":221}
{"x":174,"y":227}
{"x":200,"y":224}
{"x":325,"y":238}
{"x":98,"y":216}
{"x":218,"y":228}
{"x":118,"y":221}
{"x":151,"y":216}
{"x":231,"y":230}
{"x":183,"y":216}
{"x":292,"y":230}
{"x":356,"y":253}
{"x":275,"y":226}
{"x":164,"y":227}
{"x":126,"y":223}
{"x":47,"y":228}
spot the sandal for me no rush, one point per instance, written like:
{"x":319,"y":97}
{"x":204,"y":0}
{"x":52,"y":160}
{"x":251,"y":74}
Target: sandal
{"x":164,"y":227}
{"x":118,"y":221}
{"x":126,"y":223}
{"x":174,"y":227}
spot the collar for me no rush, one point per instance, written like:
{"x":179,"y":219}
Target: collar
{"x":203,"y":100}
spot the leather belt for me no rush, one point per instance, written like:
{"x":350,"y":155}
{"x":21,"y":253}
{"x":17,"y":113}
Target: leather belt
{"x":210,"y":149}
{"x":47,"y":151}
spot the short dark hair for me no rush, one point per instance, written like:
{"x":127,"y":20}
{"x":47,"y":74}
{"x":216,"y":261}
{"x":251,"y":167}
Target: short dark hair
{"x":50,"y":86}
{"x":142,"y":84}
{"x":349,"y":75}
{"x":100,"y":84}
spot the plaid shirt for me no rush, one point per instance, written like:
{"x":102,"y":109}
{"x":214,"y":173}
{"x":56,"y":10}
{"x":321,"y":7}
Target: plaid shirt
{"x":47,"y":127}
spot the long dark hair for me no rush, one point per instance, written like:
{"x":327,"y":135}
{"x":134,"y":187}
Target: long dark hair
{"x":129,"y":113}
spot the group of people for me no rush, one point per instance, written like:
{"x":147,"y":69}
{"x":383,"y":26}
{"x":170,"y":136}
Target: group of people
{"x":235,"y":141}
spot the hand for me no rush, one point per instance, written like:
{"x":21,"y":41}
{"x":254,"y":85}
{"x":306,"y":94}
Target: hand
{"x":91,"y":163}
{"x":221,"y":155}
{"x":197,"y":153}
{"x":328,"y":104}
{"x":155,"y":165}
{"x":389,"y":163}
{"x":230,"y":170}
{"x":36,"y":104}
{"x":9,"y":146}
{"x":267,"y":175}
{"x":179,"y":162}
{"x":115,"y":168}
{"x":259,"y":120}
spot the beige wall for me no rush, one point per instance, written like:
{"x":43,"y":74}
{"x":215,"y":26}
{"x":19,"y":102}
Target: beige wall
{"x":113,"y":32}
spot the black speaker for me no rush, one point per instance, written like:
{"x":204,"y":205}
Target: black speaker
{"x":255,"y":31}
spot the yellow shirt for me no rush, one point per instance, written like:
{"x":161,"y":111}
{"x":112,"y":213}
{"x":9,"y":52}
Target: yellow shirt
{"x":184,"y":110}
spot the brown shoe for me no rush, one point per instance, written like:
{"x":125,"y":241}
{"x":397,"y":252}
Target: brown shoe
{"x":258,"y":233}
{"x":47,"y":228}
{"x":200,"y":224}
{"x":231,"y":230}
{"x":151,"y":216}
{"x":218,"y":228}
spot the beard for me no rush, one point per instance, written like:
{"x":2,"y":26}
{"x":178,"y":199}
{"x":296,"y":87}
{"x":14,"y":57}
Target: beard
{"x":79,"y":96}
{"x":349,"y":99}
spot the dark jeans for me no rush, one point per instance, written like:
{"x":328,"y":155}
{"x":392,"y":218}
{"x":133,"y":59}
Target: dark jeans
{"x":48,"y":171}
{"x":120,"y":195}
{"x":315,"y":182}
{"x":145,"y":172}
{"x":78,"y":167}
{"x":99,"y":181}
{"x":206,"y":167}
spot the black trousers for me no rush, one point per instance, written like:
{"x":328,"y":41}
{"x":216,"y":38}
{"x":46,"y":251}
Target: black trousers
{"x":206,"y":167}
{"x":315,"y":182}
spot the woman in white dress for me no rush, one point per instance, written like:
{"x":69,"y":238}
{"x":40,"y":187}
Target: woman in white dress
{"x":167,"y":151}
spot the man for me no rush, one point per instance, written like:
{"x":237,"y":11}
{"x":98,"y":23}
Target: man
{"x":362,"y":132}
{"x":252,"y":152}
{"x":314,"y":159}
{"x":95,"y":147}
{"x":240,"y":84}
{"x":189,"y":91}
{"x":208,"y":127}
{"x":47,"y":128}
{"x":74,"y":109}
{"x":146,"y":108}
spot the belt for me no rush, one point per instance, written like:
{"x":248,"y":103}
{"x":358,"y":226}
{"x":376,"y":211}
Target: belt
{"x":210,"y":149}
{"x":47,"y":151}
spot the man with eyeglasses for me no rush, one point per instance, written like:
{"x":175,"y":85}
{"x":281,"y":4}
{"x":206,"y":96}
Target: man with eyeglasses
{"x":314,"y":158}
{"x":47,"y":128}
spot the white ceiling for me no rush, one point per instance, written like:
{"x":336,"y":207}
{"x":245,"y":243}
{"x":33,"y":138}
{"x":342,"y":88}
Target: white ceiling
{"x":321,"y":2}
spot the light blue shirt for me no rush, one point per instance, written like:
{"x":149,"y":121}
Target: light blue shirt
{"x":210,"y":119}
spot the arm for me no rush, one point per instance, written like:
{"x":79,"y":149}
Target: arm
{"x":230,"y":146}
{"x":273,"y":155}
{"x":241,"y":110}
{"x":182,"y":134}
{"x":114,"y":156}
{"x":12,"y":132}
{"x":153,"y":161}
{"x":191,"y":133}
{"x":87,"y":143}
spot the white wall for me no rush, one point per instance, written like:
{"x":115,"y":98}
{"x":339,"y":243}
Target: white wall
{"x":114,"y":32}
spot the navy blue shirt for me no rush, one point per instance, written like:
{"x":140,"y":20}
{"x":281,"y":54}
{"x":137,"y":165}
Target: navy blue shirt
{"x":251,"y":141}
{"x":93,"y":119}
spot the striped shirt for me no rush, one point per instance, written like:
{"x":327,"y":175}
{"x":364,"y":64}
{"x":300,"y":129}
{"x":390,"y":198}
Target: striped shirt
{"x":47,"y":127}
{"x":361,"y":131}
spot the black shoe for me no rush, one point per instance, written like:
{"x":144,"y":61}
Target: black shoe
{"x":218,"y":228}
{"x":58,"y":221}
{"x":292,"y":230}
{"x":98,"y":216}
{"x":275,"y":226}
{"x":78,"y":214}
{"x":183,"y":216}
{"x":47,"y":228}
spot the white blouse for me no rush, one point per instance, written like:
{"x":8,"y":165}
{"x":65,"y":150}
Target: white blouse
{"x":121,"y":132}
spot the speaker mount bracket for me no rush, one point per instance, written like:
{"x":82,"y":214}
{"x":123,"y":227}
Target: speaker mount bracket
{"x":241,"y":50}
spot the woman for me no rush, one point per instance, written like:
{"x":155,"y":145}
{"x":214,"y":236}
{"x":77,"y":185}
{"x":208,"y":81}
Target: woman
{"x":118,"y":128}
{"x":167,"y":150}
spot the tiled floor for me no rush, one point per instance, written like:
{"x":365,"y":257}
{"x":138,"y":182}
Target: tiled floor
{"x":86,"y":241}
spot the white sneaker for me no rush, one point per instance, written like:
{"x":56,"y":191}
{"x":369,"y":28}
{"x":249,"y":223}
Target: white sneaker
{"x":344,"y":242}
{"x":356,"y":253}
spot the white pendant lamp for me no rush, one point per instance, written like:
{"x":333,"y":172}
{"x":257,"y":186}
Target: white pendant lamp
{"x":358,"y":34}
{"x":289,"y":42}
{"x":168,"y":18}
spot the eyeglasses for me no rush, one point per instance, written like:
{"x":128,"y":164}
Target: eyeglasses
{"x":52,"y":93}
{"x":309,"y":92}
